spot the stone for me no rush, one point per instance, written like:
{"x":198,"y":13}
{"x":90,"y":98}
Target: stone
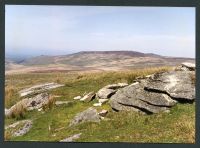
{"x":77,"y":98}
{"x":97,"y":104}
{"x":39,"y":89}
{"x":103,"y":101}
{"x":134,"y":97}
{"x":71,"y":138}
{"x":27,"y":124}
{"x":62,"y":102}
{"x":28,"y":104}
{"x":190,"y":66}
{"x":88,"y":97}
{"x":25,"y":129}
{"x":177,"y":84}
{"x":103,"y":113}
{"x":105,"y":93}
{"x":186,"y":67}
{"x":90,"y":115}
{"x":39,"y":101}
{"x":7,"y":112}
{"x":116,"y":86}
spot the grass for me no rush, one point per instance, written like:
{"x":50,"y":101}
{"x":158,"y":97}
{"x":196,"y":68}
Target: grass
{"x":121,"y":126}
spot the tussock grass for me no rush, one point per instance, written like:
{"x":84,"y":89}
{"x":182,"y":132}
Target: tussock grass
{"x":50,"y":104}
{"x":7,"y":136}
{"x":18,"y":112}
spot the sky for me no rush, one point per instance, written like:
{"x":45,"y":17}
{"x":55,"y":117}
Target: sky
{"x":58,"y":30}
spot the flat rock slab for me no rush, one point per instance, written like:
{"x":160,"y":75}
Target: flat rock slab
{"x":27,"y":124}
{"x":71,"y":138}
{"x":190,"y":66}
{"x":177,"y":84}
{"x":88,"y":97}
{"x":39,"y":89}
{"x":134,"y":96}
{"x":90,"y":114}
{"x":29,"y":103}
{"x":105,"y":93}
{"x":25,"y":129}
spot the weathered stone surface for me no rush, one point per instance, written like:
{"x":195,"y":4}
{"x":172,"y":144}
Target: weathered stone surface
{"x":27,"y":124}
{"x":90,"y":114}
{"x":105,"y":93}
{"x":103,"y":113}
{"x":25,"y":129}
{"x":190,"y":66}
{"x":38,"y":101}
{"x":71,"y":138}
{"x":119,"y":107}
{"x":77,"y":98}
{"x":186,"y":67}
{"x":29,"y":103}
{"x":103,"y":101}
{"x":39,"y":89}
{"x":177,"y":84}
{"x":135,"y":96}
{"x":88,"y":97}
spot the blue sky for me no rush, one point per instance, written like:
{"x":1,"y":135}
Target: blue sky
{"x":55,"y":30}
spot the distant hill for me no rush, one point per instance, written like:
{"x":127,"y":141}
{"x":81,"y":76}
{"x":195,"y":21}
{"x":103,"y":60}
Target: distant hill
{"x":97,"y":60}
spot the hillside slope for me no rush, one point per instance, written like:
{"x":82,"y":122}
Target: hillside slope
{"x":95,"y":60}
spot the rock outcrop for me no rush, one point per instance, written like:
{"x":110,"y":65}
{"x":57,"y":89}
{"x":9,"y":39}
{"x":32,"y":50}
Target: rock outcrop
{"x":35,"y":102}
{"x":90,"y":114}
{"x":155,"y":93}
{"x":25,"y":127}
{"x":71,"y":138}
{"x":186,"y":67}
{"x":39,"y":89}
{"x":177,"y":84}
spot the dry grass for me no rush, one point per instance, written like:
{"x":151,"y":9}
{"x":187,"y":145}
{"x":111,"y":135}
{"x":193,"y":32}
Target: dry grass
{"x":50,"y":104}
{"x":10,"y":91}
{"x":18,"y":111}
{"x":7,"y":136}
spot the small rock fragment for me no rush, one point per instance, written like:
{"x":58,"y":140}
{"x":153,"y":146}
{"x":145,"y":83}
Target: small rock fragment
{"x":77,"y":98}
{"x":105,"y":93}
{"x":97,"y":104}
{"x":88,"y":97}
{"x":72,"y":138}
{"x":103,"y":101}
{"x":103,"y":113}
{"x":90,"y":114}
